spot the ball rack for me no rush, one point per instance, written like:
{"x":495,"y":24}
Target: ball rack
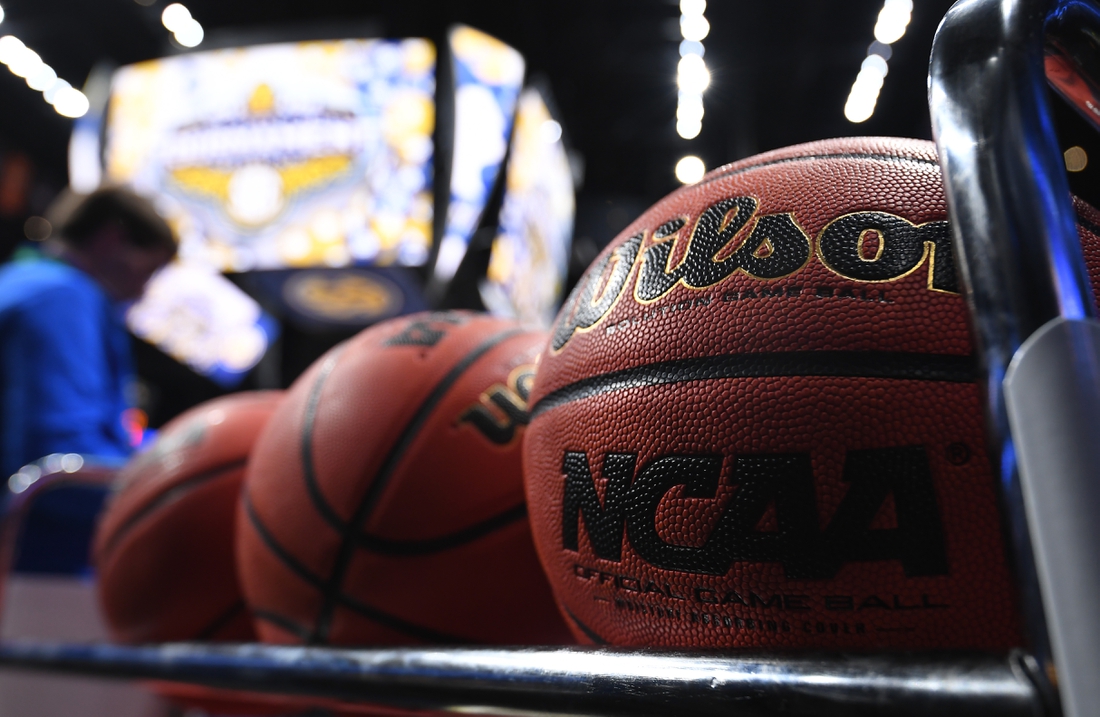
{"x":1039,"y":344}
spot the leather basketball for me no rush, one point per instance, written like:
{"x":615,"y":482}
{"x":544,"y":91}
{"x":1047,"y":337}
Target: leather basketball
{"x":384,"y":502}
{"x":164,"y":545}
{"x":757,"y":421}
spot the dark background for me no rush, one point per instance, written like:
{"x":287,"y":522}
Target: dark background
{"x":781,"y":71}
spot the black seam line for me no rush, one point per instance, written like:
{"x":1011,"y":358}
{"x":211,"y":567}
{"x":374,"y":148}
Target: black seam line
{"x":850,"y":364}
{"x":171,"y":496}
{"x":309,"y":473}
{"x":386,"y":546}
{"x":395,"y":623}
{"x":220,"y":621}
{"x":391,"y":621}
{"x":1092,"y":227}
{"x":269,"y":540}
{"x":284,"y":623}
{"x":813,"y":157}
{"x":592,"y":634}
{"x":381,"y":480}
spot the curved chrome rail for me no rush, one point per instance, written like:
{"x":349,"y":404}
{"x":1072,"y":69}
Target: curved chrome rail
{"x":1033,"y":308}
{"x":570,"y":681}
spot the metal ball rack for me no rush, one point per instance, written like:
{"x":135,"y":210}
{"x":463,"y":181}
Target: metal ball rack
{"x":1039,"y":343}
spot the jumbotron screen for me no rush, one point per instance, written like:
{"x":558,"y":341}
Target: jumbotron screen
{"x":530,"y":254}
{"x":283,"y":155}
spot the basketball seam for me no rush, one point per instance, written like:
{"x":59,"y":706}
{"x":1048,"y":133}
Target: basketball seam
{"x":815,"y":157}
{"x":395,"y":623}
{"x":309,"y":474}
{"x":592,"y":634}
{"x":381,"y":479}
{"x":220,"y":621}
{"x":391,"y":621}
{"x":896,"y":365}
{"x":282,"y":622}
{"x":166,"y":498}
{"x":1092,"y":227}
{"x":385,"y":546}
{"x":284,"y":557}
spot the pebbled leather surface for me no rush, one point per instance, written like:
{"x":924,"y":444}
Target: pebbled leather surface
{"x":376,"y":514}
{"x":164,"y":545}
{"x":802,"y":433}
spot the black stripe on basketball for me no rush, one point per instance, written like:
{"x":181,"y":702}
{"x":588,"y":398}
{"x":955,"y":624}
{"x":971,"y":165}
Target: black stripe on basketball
{"x":389,"y":465}
{"x":380,"y":616}
{"x":1090,"y":226}
{"x":277,"y":550}
{"x":846,"y":364}
{"x":282,"y":622}
{"x":309,"y":472}
{"x":170,"y":496}
{"x":395,"y":623}
{"x":386,"y":546}
{"x":216,"y":625}
{"x":589,"y":632}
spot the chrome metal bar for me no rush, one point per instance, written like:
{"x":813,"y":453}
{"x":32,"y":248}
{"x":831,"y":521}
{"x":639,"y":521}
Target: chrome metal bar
{"x":566,"y":681}
{"x":1022,"y":266}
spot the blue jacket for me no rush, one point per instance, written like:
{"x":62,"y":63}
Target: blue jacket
{"x":64,"y":365}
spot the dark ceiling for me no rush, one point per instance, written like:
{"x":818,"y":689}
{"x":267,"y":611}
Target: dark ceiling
{"x":781,"y":68}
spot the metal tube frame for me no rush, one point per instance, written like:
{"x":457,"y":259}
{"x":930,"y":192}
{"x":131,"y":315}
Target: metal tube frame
{"x":1022,"y":268}
{"x":1025,"y":278}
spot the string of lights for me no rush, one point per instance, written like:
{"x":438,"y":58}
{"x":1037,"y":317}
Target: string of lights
{"x":893,"y":19}
{"x":26,"y":63}
{"x":692,"y":79}
{"x":185,"y":29}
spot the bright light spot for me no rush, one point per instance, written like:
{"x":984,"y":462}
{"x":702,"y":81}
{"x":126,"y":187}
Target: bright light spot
{"x":70,"y":102}
{"x":550,"y":131}
{"x":25,"y":63}
{"x":690,"y":169}
{"x":10,"y":47}
{"x":691,"y":47}
{"x":72,"y":462}
{"x":694,"y":27}
{"x":190,"y":35}
{"x":175,"y":17}
{"x":693,"y":7}
{"x":51,"y":93}
{"x":875,"y":63}
{"x":690,"y":107}
{"x":688,"y":129}
{"x":43,"y":79}
{"x":692,"y":74}
{"x":1076,"y":159}
{"x":1,"y":14}
{"x":883,"y":51}
{"x":892,"y":20}
{"x":26,"y":477}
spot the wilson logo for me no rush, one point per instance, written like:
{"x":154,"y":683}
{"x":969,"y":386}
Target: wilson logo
{"x":782,"y":482}
{"x":502,"y":408}
{"x":861,"y":246}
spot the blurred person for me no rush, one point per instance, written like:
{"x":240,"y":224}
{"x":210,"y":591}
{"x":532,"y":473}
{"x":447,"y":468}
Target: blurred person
{"x":65,"y":362}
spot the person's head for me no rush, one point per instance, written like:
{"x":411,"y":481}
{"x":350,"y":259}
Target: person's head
{"x":116,"y":237}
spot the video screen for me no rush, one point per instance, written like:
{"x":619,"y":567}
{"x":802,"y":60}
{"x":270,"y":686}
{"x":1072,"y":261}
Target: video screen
{"x":283,"y":155}
{"x":201,"y":319}
{"x":488,"y":78}
{"x":530,"y":254}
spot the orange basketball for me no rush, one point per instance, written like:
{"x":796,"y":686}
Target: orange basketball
{"x":164,"y":545}
{"x":384,"y":502}
{"x":757,"y":421}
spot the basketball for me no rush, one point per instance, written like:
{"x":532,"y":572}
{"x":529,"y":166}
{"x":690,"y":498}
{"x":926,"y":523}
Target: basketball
{"x":384,"y":502}
{"x":757,"y":422}
{"x":164,"y":546}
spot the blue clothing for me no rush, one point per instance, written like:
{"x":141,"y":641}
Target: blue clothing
{"x":64,"y":365}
